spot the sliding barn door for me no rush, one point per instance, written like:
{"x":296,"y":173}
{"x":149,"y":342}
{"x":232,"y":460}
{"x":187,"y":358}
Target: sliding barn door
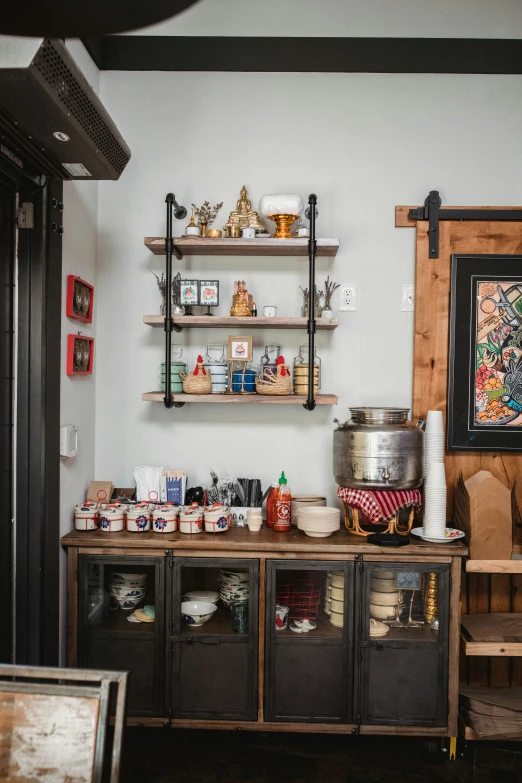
{"x":484,"y":593}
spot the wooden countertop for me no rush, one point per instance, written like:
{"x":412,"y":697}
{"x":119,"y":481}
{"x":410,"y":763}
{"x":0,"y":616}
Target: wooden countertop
{"x":266,"y":541}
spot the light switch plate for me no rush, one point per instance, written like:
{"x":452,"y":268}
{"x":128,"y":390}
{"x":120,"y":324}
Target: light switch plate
{"x":408,"y":297}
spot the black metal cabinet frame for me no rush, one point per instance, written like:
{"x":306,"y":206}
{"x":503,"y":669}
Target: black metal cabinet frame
{"x":133,"y":640}
{"x":219,"y":668}
{"x":327,"y":655}
{"x":425,"y":657}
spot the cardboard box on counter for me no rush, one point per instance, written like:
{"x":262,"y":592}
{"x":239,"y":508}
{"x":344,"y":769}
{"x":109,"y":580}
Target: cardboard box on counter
{"x":484,"y":511}
{"x":100,"y":491}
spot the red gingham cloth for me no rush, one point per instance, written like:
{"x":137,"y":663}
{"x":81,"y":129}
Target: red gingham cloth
{"x":380,"y":506}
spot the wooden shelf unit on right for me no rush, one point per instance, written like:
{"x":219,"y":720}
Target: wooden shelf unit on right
{"x":501,"y":649}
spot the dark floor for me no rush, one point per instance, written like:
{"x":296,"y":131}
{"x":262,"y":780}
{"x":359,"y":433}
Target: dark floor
{"x":158,"y":755}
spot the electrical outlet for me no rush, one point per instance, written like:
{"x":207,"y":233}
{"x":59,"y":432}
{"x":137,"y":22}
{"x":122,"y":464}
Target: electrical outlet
{"x":347,"y":297}
{"x":408,"y":297}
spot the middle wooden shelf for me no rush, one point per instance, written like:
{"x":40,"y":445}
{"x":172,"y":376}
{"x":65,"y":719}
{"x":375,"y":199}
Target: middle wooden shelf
{"x":231,"y":322}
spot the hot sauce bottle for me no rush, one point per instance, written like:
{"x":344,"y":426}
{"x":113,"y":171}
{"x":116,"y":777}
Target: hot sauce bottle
{"x":283,"y":507}
{"x":270,"y":504}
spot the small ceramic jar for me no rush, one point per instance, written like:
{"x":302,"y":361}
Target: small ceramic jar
{"x":191,"y":520}
{"x":165,"y":519}
{"x":85,"y":519}
{"x":138,"y":519}
{"x":111,"y":520}
{"x":217,"y":520}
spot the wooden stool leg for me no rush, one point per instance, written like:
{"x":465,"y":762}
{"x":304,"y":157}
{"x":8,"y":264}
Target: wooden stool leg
{"x":356,"y":529}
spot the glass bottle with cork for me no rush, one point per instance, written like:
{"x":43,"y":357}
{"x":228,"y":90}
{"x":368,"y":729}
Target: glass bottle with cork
{"x":283,"y":506}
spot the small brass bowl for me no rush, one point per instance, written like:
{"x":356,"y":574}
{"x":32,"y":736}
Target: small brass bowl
{"x":214,"y":233}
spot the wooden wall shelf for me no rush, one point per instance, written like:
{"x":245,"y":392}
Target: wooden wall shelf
{"x":201,"y":246}
{"x":497,"y":634}
{"x":231,"y":322}
{"x":245,"y":399}
{"x":494,"y":566}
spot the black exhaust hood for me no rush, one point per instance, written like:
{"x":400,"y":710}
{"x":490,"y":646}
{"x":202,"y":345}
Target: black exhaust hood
{"x":46,"y":99}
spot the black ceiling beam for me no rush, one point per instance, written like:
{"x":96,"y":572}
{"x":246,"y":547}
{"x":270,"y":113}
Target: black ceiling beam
{"x":306,"y":55}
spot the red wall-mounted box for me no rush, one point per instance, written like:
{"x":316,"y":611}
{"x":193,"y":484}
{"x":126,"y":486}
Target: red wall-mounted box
{"x":80,"y":299}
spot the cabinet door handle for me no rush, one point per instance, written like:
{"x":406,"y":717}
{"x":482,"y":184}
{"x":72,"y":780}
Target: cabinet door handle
{"x":209,"y":640}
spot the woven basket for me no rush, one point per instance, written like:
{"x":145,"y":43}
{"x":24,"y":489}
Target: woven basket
{"x":273,"y":383}
{"x":196,"y":384}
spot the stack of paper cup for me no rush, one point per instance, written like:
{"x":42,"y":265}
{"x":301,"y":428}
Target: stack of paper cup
{"x":433,"y":441}
{"x":435,"y":501}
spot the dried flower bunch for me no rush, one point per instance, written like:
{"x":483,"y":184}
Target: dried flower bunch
{"x":205,"y":213}
{"x":329,"y":288}
{"x":162,"y":284}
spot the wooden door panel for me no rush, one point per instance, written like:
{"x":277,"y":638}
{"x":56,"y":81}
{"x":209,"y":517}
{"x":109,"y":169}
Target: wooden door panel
{"x":430,"y":384}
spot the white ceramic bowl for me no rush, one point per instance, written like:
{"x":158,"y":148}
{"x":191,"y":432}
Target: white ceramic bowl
{"x":334,"y":606}
{"x":320,"y":515}
{"x":336,"y":581}
{"x":210,"y":596}
{"x":377,"y":574}
{"x":197,"y":612}
{"x":127,"y":603}
{"x":254,"y":527}
{"x":305,"y":501}
{"x":234,"y":576}
{"x":383,"y":585}
{"x":382,"y":612}
{"x":384,"y":599}
{"x":337,"y":593}
{"x":133,"y":580}
{"x":337,"y":619}
{"x":126,"y":592}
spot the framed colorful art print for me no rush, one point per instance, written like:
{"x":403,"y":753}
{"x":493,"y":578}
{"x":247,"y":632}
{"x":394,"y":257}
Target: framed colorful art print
{"x":80,"y":299}
{"x":485,"y":370}
{"x":189,"y":292}
{"x":80,"y":354}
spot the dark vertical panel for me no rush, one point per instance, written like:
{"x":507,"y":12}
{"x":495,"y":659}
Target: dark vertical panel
{"x":38,"y":412}
{"x":7,"y":204}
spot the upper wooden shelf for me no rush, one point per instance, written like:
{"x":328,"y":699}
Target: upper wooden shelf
{"x":494,"y":566}
{"x":245,"y":399}
{"x":202,"y":246}
{"x":231,"y":322}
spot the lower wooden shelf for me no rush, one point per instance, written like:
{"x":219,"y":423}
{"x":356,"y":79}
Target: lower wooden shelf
{"x":264,"y":399}
{"x":494,"y":566}
{"x":496,"y":634}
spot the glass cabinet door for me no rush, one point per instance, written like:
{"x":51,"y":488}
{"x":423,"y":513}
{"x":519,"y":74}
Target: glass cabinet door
{"x":309,"y":633}
{"x":403,"y":622}
{"x":122,"y":624}
{"x":214,"y":638}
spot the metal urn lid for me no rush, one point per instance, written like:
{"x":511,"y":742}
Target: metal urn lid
{"x":378,"y":416}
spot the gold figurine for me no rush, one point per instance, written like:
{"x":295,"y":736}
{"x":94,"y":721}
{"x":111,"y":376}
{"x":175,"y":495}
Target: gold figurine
{"x":242,"y":301}
{"x":243,"y":215}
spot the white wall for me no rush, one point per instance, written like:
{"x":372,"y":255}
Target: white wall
{"x":77,"y":394}
{"x":364,"y":143}
{"x":386,"y":18}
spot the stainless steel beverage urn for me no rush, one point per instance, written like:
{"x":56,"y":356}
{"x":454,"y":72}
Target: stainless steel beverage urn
{"x":378,"y":449}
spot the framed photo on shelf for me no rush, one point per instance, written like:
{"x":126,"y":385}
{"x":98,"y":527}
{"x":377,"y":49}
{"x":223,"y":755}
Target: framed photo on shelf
{"x":485,"y":364}
{"x":189,"y":292}
{"x":80,"y":299}
{"x":209,"y":293}
{"x":240,"y":349}
{"x":80,"y":354}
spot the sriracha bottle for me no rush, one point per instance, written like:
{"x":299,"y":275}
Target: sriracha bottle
{"x":283,"y":507}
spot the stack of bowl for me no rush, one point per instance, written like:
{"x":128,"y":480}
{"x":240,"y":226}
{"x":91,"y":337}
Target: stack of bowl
{"x":127,"y":590}
{"x":384,"y":596}
{"x":305,"y":501}
{"x":334,"y":597}
{"x":318,"y":522}
{"x":233,"y":586}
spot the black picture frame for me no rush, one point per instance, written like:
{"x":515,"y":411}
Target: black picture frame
{"x":464,"y":432}
{"x":206,"y":284}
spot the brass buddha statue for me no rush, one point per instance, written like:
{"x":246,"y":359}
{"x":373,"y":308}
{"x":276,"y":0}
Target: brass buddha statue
{"x":244,"y":216}
{"x":242,"y":301}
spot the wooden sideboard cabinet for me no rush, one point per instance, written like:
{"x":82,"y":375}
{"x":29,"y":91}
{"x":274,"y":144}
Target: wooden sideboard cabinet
{"x":337,"y":678}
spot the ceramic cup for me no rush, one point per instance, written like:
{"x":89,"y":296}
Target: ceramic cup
{"x":165,"y":519}
{"x":248,"y":233}
{"x":111,"y":520}
{"x":269,"y":311}
{"x":281,"y":620}
{"x":86,"y":520}
{"x":192,"y":231}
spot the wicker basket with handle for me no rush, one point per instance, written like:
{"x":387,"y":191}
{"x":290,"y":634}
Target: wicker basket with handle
{"x":275,"y":383}
{"x":197,"y":382}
